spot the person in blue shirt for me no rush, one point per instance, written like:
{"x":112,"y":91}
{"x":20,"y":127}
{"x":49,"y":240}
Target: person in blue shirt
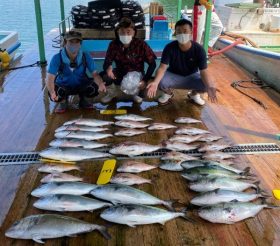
{"x":67,"y":74}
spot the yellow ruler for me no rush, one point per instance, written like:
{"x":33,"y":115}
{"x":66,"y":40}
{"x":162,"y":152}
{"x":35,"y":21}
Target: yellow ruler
{"x":113,"y":111}
{"x":276,"y":194}
{"x":106,"y":172}
{"x":57,"y":161}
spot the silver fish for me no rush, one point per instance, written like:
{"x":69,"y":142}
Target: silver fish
{"x":63,"y":202}
{"x":178,"y":146}
{"x":185,"y":138}
{"x":134,"y":167}
{"x":89,"y":122}
{"x":74,"y":143}
{"x":82,"y":135}
{"x":229,"y":213}
{"x":133,"y":148}
{"x":205,"y":184}
{"x":160,"y":126}
{"x":71,"y":188}
{"x":132,"y":117}
{"x":53,"y":168}
{"x":213,"y":147}
{"x":128,"y":132}
{"x":191,"y":131}
{"x":209,"y":138}
{"x":60,"y":177}
{"x":171,"y":165}
{"x":217,"y":155}
{"x":187,"y":120}
{"x":124,"y":194}
{"x":128,"y":179}
{"x":71,"y":154}
{"x":45,"y":226}
{"x":130,"y":124}
{"x":178,"y":156}
{"x":133,"y":215}
{"x":220,"y":195}
{"x":81,"y":128}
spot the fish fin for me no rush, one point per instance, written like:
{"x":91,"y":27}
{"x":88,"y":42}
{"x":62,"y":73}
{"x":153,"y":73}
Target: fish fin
{"x":103,"y":230}
{"x":131,"y":225}
{"x":228,"y":209}
{"x":72,"y":235}
{"x":257,"y":184}
{"x":272,"y":206}
{"x":38,"y":240}
{"x":235,"y":200}
{"x":188,"y":218}
{"x":169,"y":204}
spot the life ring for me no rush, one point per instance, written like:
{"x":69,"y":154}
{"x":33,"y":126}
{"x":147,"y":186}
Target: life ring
{"x":5,"y":59}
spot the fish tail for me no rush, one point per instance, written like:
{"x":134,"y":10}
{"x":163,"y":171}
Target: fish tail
{"x":103,"y":230}
{"x":257,"y":186}
{"x":184,"y":215}
{"x":169,"y":204}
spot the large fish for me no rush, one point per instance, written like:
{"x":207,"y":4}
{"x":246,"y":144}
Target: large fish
{"x":185,"y":138}
{"x":135,"y":167}
{"x":60,"y":177}
{"x":46,"y":226}
{"x":82,"y":135}
{"x":72,"y":154}
{"x":124,"y":194}
{"x":128,"y":179}
{"x":209,"y":138}
{"x":128,"y":132}
{"x":81,"y":128}
{"x":217,"y":155}
{"x":71,"y":188}
{"x":213,"y":147}
{"x":205,"y":184}
{"x":132,"y":117}
{"x":133,"y":215}
{"x":229,"y":213}
{"x":53,"y":168}
{"x":220,"y":195}
{"x":74,"y":143}
{"x":160,"y":126}
{"x":64,"y":202}
{"x":133,"y":148}
{"x":89,"y":122}
{"x":187,"y":120}
{"x":178,"y":156}
{"x":130,"y":124}
{"x":171,"y":165}
{"x":178,"y":146}
{"x":191,"y":131}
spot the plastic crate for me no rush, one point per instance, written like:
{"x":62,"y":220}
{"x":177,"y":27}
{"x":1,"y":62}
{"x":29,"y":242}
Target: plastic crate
{"x":161,"y":34}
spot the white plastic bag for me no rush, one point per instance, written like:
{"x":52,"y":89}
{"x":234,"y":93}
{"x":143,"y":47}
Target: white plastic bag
{"x":130,"y":83}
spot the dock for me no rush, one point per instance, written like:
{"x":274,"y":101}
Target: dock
{"x":28,"y":123}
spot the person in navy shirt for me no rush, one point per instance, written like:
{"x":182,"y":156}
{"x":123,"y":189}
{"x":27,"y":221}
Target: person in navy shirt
{"x":183,"y":66}
{"x":67,"y":74}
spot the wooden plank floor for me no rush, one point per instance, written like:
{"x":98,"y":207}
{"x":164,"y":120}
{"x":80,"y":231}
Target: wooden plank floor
{"x":28,"y":123}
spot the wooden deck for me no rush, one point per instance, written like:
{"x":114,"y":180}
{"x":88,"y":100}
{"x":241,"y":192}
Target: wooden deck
{"x":28,"y":123}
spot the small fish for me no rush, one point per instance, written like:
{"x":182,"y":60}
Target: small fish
{"x":178,"y":146}
{"x":71,"y":154}
{"x":131,"y":124}
{"x":187,"y":120}
{"x":130,"y":148}
{"x":60,"y":177}
{"x":132,"y":117}
{"x":178,"y":156}
{"x":160,"y":126}
{"x":229,"y":213}
{"x":82,"y":135}
{"x":191,"y":131}
{"x":75,"y":142}
{"x":71,"y":188}
{"x":220,"y":195}
{"x":81,"y":128}
{"x":128,"y":132}
{"x":213,"y":147}
{"x":185,"y":138}
{"x":53,"y":168}
{"x":206,"y":184}
{"x":63,"y":203}
{"x":89,"y":122}
{"x":217,"y":155}
{"x":128,"y":179}
{"x":209,"y":138}
{"x":135,"y":167}
{"x":133,"y":215}
{"x":46,"y":226}
{"x":172,"y":165}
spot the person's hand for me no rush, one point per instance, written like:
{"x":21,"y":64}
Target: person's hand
{"x":142,"y":85}
{"x":54,"y":97}
{"x":152,"y":89}
{"x":110,"y":73}
{"x":212,"y":94}
{"x":102,"y":87}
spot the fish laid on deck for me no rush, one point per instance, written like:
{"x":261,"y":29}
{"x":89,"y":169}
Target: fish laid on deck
{"x":82,"y":135}
{"x":60,"y":177}
{"x":129,"y":132}
{"x":213,"y":147}
{"x":178,"y":156}
{"x":89,"y":122}
{"x":53,"y":168}
{"x":185,"y":138}
{"x":191,"y":131}
{"x":178,"y":146}
{"x":171,"y":165}
{"x":131,"y":124}
{"x":128,"y":179}
{"x":81,"y":128}
{"x":217,"y":155}
{"x":160,"y":126}
{"x":132,"y":117}
{"x":135,"y":167}
{"x":209,"y":138}
{"x":75,"y":142}
{"x":187,"y":120}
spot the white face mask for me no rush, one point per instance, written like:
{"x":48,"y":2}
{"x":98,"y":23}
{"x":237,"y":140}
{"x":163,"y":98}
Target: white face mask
{"x":183,"y":38}
{"x":125,"y":39}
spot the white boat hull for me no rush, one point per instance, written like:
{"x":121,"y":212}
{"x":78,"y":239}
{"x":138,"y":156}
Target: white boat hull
{"x":9,"y":42}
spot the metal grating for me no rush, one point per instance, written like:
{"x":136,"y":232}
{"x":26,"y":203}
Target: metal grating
{"x":27,"y":158}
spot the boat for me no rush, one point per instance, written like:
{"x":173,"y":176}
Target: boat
{"x":9,"y":41}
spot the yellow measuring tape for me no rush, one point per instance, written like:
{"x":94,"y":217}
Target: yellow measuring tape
{"x":276,"y":194}
{"x":57,"y":161}
{"x":106,"y":172}
{"x":113,"y":111}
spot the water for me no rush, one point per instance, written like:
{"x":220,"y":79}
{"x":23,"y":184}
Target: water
{"x":19,"y":15}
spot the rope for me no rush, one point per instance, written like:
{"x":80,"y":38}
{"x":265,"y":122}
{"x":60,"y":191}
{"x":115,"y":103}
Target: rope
{"x":35,"y":64}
